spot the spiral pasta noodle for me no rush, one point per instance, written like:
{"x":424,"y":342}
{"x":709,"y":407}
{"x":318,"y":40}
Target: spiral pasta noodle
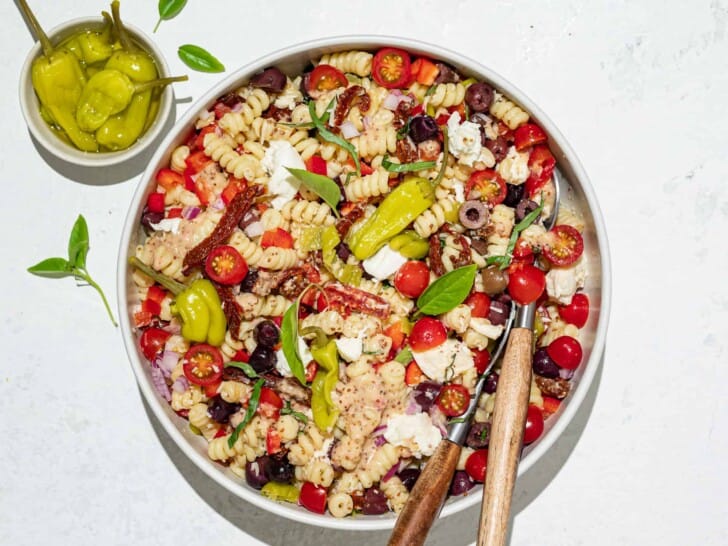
{"x":376,"y":141}
{"x":177,"y":160}
{"x":435,"y":217}
{"x":355,"y":62}
{"x":502,"y":221}
{"x":199,"y":418}
{"x":309,"y":212}
{"x":309,"y":441}
{"x":236,"y":122}
{"x":364,"y":187}
{"x":265,"y":306}
{"x":506,"y":111}
{"x":383,"y":459}
{"x":447,"y":94}
{"x":221,"y":150}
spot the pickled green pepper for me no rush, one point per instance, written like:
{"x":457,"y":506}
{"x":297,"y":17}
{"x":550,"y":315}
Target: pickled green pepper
{"x":346,"y":273}
{"x":324,"y":410}
{"x":410,"y":245}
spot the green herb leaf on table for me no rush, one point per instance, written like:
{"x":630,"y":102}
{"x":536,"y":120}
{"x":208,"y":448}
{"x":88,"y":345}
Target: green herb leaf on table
{"x":252,"y":406}
{"x":75,"y":266}
{"x":199,"y":59}
{"x":404,"y":356}
{"x":321,"y":185}
{"x":288,"y":410}
{"x":406,"y":167}
{"x":169,"y":9}
{"x":448,"y":291}
{"x":244,"y":366}
{"x":331,"y":137}
{"x":289,"y":342}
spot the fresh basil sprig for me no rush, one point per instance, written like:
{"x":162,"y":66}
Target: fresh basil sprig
{"x":504,"y":261}
{"x":199,"y":59}
{"x":252,"y":406}
{"x":404,"y":356}
{"x":321,"y":185}
{"x":75,"y":265}
{"x":244,"y":366}
{"x":406,"y":167}
{"x":404,"y":130}
{"x":288,"y":410}
{"x":169,"y":9}
{"x":289,"y":341}
{"x":331,"y":137}
{"x":448,"y":291}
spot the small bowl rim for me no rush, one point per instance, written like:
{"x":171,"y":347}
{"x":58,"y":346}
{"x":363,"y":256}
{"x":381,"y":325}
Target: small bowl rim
{"x":313,"y":47}
{"x":54,"y":145}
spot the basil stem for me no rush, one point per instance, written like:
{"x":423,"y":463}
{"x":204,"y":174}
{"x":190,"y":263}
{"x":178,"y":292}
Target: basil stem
{"x":252,"y":406}
{"x":244,"y":366}
{"x":199,"y":59}
{"x":406,"y":167}
{"x":505,"y":260}
{"x":331,"y":137}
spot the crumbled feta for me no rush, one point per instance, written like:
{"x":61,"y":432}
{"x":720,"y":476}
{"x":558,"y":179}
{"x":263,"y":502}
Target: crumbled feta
{"x":323,"y":453}
{"x":464,"y":139}
{"x":459,"y":189}
{"x":282,"y":364}
{"x":168,"y":224}
{"x":514,"y":167}
{"x":563,"y":282}
{"x":445,"y":361}
{"x":484,"y":327}
{"x":384,"y":263}
{"x":282,"y":184}
{"x":350,"y":348}
{"x":415,"y":432}
{"x":303,"y":351}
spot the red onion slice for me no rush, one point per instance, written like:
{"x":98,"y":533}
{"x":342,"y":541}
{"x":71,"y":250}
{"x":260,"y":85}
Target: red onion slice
{"x":181,"y":384}
{"x":190,"y":213}
{"x":254,"y":229}
{"x":167,"y":362}
{"x":160,"y":385}
{"x":348,"y":130}
{"x":391,"y":472}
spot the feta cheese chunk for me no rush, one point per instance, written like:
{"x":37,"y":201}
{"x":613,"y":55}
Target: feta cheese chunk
{"x":514,"y":167}
{"x":168,"y":224}
{"x":282,"y":364}
{"x":484,"y":327}
{"x":350,"y":348}
{"x":459,"y":189}
{"x":384,"y":263}
{"x":303,"y":351}
{"x":282,"y":184}
{"x":415,"y":432}
{"x":563,"y":282}
{"x":445,"y":361}
{"x":464,"y":139}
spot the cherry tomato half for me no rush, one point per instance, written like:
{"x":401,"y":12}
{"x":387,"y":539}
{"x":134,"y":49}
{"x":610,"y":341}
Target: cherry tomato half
{"x":479,"y":304}
{"x":481,"y":359}
{"x":488,"y":184}
{"x":202,"y":364}
{"x":527,"y":135}
{"x":225,"y":265}
{"x":269,"y":403}
{"x":534,"y":425}
{"x":526,"y":283}
{"x":391,"y":68}
{"x":325,"y":78}
{"x":276,"y":237}
{"x":313,"y":498}
{"x":550,"y":406}
{"x":577,"y":312}
{"x":412,"y":278}
{"x":541,"y":163}
{"x":453,"y":400}
{"x":566,"y":352}
{"x":476,"y":464}
{"x":427,"y":333}
{"x":152,"y":342}
{"x":564,"y":245}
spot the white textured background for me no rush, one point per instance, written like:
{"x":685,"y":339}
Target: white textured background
{"x":639,"y":88}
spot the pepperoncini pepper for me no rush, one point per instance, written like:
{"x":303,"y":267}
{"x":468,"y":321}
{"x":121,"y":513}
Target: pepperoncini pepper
{"x":326,"y":356}
{"x":410,"y":245}
{"x":198,"y":305}
{"x":346,"y":273}
{"x":281,"y":492}
{"x":406,"y":202}
{"x":96,"y":46}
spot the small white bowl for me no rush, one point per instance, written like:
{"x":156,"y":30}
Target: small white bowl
{"x":43,"y":133}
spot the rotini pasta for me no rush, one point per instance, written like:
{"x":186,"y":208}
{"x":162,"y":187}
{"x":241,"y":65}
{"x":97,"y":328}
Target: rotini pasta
{"x":506,"y":111}
{"x":356,"y":62}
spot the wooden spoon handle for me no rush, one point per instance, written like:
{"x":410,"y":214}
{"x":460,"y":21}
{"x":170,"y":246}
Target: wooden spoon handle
{"x":506,"y":437}
{"x":427,"y":497}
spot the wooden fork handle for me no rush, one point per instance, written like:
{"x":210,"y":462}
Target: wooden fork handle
{"x":506,"y":437}
{"x":427,"y":497}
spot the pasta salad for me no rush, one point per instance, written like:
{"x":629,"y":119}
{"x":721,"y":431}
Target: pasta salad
{"x":328,"y":262}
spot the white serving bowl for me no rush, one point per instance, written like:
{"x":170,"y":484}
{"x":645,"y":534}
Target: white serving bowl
{"x":44,"y":135}
{"x":292,"y":60}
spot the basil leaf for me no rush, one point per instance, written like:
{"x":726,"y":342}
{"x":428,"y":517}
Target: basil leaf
{"x":404,"y":356}
{"x":289,"y":341}
{"x":247,"y":368}
{"x":448,"y":291}
{"x":331,"y":137}
{"x":430,"y":91}
{"x":457,"y":420}
{"x":78,"y":243}
{"x":406,"y":167}
{"x":52,"y":267}
{"x":404,"y":131}
{"x":321,"y":185}
{"x":199,"y":59}
{"x":169,"y":9}
{"x":288,"y":410}
{"x":505,"y":261}
{"x":252,"y":406}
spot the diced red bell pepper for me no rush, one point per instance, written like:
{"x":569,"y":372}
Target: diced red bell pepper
{"x":222,"y":431}
{"x":174,"y":212}
{"x":541,"y":163}
{"x":276,"y":237}
{"x":197,"y":161}
{"x":198,"y":143}
{"x":168,"y":179}
{"x":425,"y":71}
{"x":396,"y":333}
{"x":211,"y":389}
{"x":155,"y":202}
{"x":316,"y":164}
{"x":152,"y":307}
{"x":550,"y":406}
{"x":417,"y":110}
{"x":142,"y":318}
{"x":365,"y":169}
{"x":413,"y":374}
{"x":221,"y":109}
{"x":311,"y":369}
{"x":272,"y":441}
{"x":156,"y":293}
{"x":241,"y":356}
{"x":528,"y":135}
{"x":270,"y":404}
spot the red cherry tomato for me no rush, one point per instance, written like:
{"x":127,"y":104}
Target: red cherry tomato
{"x":479,"y":304}
{"x":276,"y":237}
{"x":527,"y":135}
{"x":534,"y":425}
{"x":541,"y":163}
{"x":566,"y":352}
{"x":197,"y":161}
{"x":490,"y":186}
{"x":325,"y":78}
{"x":550,"y":406}
{"x":453,"y":400}
{"x":476,"y":464}
{"x":564,"y":245}
{"x":413,"y":375}
{"x":211,"y":389}
{"x":313,"y":498}
{"x":427,"y":333}
{"x":152,"y":342}
{"x":225,"y":265}
{"x":391,"y":68}
{"x":202,"y":364}
{"x":269,"y":403}
{"x":412,"y":278}
{"x":577,"y":312}
{"x":522,"y":252}
{"x":526,"y":283}
{"x":481,"y":359}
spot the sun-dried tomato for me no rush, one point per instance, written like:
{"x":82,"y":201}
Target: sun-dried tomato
{"x":353,"y":96}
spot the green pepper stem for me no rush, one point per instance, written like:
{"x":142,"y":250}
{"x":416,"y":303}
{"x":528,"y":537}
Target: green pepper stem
{"x":170,"y":284}
{"x":37,"y":29}
{"x":109,"y":22}
{"x":126,"y":42}
{"x":83,"y":274}
{"x":161,"y":82}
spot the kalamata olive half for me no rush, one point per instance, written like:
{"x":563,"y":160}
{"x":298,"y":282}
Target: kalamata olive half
{"x":495,"y":281}
{"x":266,"y":333}
{"x":478,"y":96}
{"x":149,"y":218}
{"x":256,"y":472}
{"x":544,"y":366}
{"x":445,"y":74}
{"x":478,"y":435}
{"x":263,"y":359}
{"x":491,"y":383}
{"x":343,"y":251}
{"x":498,"y":312}
{"x":220,"y":410}
{"x":461,"y":483}
{"x":271,"y":79}
{"x":498,"y":147}
{"x":409,"y":477}
{"x":514,"y":194}
{"x":280,"y":470}
{"x":374,"y":503}
{"x":473,"y":214}
{"x":423,"y":128}
{"x":249,"y":281}
{"x":426,"y":393}
{"x":524,"y":207}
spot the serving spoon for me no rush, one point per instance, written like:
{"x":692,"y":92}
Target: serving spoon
{"x":506,"y":436}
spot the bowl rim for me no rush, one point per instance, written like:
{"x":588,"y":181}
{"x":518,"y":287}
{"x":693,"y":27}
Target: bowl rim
{"x":66,"y":152}
{"x":342,"y":43}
